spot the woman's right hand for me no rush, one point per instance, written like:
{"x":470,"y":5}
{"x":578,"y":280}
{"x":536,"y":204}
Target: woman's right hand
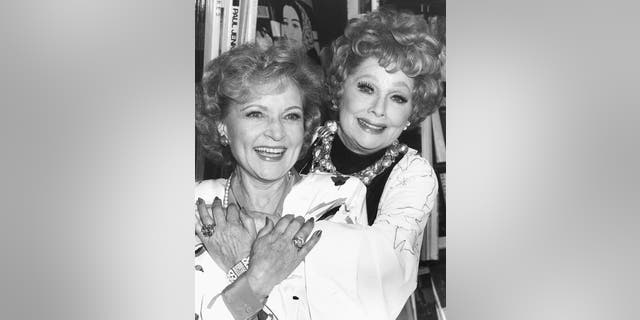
{"x":274,"y":255}
{"x":233,"y":233}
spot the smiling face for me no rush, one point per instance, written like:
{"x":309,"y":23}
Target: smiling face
{"x":374,"y":108}
{"x":291,"y":26}
{"x":266,"y":134}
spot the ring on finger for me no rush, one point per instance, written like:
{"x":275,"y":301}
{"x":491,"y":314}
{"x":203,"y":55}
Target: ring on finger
{"x":207,"y":230}
{"x":298,"y":242}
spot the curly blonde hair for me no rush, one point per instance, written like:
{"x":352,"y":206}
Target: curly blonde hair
{"x":400,"y":41}
{"x":237,"y":76}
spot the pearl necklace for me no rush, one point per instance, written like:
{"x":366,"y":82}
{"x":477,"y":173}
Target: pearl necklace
{"x":227,"y":188}
{"x":322,"y":155}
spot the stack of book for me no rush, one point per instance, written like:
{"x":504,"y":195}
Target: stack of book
{"x":229,"y":23}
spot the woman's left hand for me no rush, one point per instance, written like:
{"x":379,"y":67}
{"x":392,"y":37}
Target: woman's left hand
{"x":233,"y":233}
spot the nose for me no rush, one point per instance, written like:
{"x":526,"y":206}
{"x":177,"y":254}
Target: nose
{"x":275,"y":130}
{"x":378,"y":107}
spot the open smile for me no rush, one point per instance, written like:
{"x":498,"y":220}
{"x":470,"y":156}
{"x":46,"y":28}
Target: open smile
{"x":270,"y":153}
{"x":371,"y":127}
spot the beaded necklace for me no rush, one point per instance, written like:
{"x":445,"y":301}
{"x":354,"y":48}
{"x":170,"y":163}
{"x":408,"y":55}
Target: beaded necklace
{"x":227,"y":190}
{"x":322,"y":155}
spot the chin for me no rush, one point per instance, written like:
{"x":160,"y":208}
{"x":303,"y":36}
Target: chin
{"x":370,"y":142}
{"x":270,"y":174}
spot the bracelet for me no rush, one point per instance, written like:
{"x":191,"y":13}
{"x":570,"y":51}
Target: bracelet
{"x":238,"y":269}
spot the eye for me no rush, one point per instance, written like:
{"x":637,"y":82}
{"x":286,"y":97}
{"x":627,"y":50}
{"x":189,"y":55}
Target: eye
{"x":365,"y":87}
{"x":399,"y":99}
{"x":254,"y":114}
{"x":293,"y":116}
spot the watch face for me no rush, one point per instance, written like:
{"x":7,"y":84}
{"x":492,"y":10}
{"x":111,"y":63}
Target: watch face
{"x":239,"y":268}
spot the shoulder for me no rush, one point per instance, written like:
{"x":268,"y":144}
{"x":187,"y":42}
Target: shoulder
{"x":409,"y":194}
{"x":412,"y":163}
{"x":412,"y":178}
{"x":209,"y":189}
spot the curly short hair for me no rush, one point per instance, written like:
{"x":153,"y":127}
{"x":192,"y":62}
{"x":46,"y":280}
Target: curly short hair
{"x":400,"y":41}
{"x":239,"y":76}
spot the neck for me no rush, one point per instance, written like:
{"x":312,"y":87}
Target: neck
{"x":259,"y":195}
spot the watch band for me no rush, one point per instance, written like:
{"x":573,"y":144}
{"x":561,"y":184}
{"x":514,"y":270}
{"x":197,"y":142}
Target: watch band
{"x":238,"y":269}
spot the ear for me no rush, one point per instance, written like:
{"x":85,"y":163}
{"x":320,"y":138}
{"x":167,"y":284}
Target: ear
{"x":222,"y":129}
{"x":337,"y":103}
{"x":340,"y":92}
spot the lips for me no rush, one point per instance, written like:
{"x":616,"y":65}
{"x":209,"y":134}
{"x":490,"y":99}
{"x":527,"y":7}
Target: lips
{"x":371,"y":127}
{"x":270,"y":153}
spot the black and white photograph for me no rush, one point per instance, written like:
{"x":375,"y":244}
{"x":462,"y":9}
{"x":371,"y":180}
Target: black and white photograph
{"x":320,"y":159}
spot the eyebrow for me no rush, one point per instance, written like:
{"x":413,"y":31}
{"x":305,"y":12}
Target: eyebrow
{"x":401,"y":84}
{"x":265,"y":107}
{"x":253,"y":106}
{"x":371,"y":78}
{"x":293,"y":107}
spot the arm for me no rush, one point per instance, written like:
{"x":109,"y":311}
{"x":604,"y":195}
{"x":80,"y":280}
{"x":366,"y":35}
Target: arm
{"x":238,"y":301}
{"x":215,"y":298}
{"x":393,"y":242}
{"x":373,"y":269}
{"x":273,"y":258}
{"x":210,"y":279}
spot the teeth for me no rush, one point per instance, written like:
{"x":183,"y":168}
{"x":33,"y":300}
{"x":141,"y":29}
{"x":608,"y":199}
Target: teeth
{"x":270,"y":150}
{"x":367,"y":124}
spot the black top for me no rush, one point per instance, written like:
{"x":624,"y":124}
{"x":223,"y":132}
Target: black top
{"x":348,"y":162}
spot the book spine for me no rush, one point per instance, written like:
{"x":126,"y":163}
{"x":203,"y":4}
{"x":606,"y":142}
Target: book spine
{"x":353,"y":8}
{"x":209,"y":39}
{"x":216,"y":29}
{"x":438,"y":138}
{"x":235,"y":24}
{"x":426,"y":139}
{"x":248,"y":21}
{"x":225,"y":41}
{"x":440,"y":151}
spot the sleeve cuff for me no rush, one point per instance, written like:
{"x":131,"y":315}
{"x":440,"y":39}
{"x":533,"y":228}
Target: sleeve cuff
{"x":241,"y":300}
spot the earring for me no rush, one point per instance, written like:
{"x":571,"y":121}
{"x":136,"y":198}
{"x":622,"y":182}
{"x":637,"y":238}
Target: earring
{"x":333,"y":105}
{"x":407,"y":126}
{"x":224,"y":140}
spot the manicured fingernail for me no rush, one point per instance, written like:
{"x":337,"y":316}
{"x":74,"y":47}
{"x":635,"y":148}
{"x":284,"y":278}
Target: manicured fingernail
{"x":312,"y":219}
{"x":200,"y":201}
{"x":318,"y":233}
{"x":216,"y":199}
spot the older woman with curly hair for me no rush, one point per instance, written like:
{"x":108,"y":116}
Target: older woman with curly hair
{"x":260,"y":108}
{"x":383,"y":78}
